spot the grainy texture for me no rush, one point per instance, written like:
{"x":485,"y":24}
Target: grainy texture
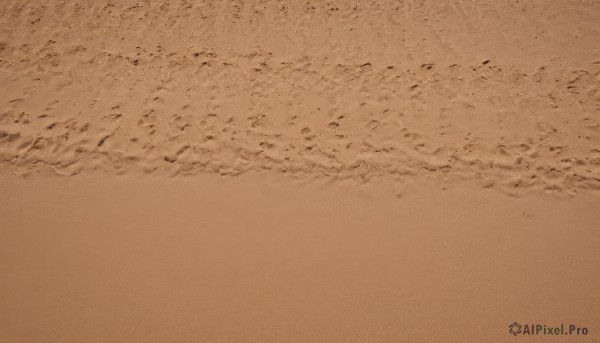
{"x":298,"y":171}
{"x":500,"y":93}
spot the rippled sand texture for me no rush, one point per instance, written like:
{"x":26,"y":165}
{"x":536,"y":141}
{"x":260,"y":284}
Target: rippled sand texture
{"x":503,"y":94}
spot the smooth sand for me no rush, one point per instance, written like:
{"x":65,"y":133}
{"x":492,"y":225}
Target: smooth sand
{"x":298,"y":171}
{"x":217,"y":260}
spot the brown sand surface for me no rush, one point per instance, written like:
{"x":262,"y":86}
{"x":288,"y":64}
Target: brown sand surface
{"x":216,"y":260}
{"x":298,"y":171}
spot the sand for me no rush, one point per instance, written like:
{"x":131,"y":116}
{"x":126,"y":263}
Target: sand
{"x":279,"y":171}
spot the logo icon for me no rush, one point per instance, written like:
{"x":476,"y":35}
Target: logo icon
{"x":514,"y":328}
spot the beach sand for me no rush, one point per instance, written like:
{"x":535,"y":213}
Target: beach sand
{"x":281,"y":171}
